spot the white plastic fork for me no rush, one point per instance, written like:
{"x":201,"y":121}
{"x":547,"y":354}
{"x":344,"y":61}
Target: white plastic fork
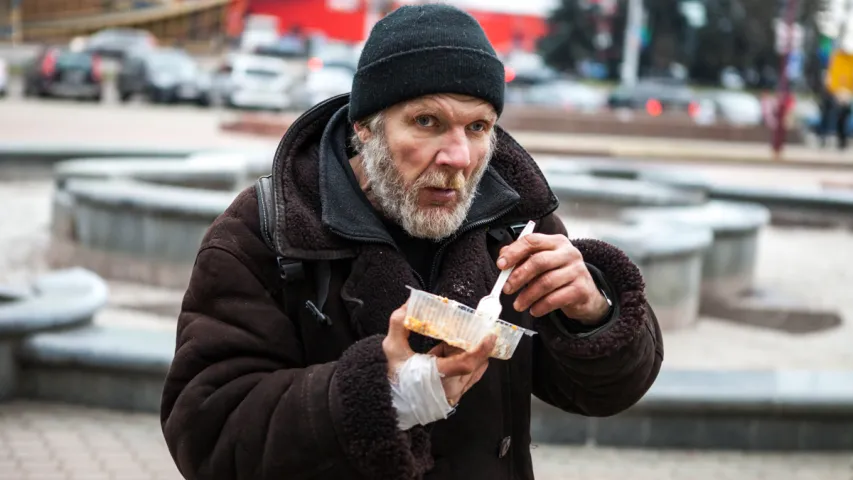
{"x":490,"y":305}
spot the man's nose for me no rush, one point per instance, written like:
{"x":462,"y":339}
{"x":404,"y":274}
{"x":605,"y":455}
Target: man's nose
{"x":455,"y":152}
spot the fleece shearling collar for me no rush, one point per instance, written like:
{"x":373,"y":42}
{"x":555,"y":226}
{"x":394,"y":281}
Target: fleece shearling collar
{"x":313,"y":212}
{"x":345,"y":213}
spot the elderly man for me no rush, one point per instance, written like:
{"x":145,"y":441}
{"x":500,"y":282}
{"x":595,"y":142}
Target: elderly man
{"x":292,"y":360}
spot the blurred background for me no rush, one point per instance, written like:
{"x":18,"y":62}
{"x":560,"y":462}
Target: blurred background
{"x":706,"y":138}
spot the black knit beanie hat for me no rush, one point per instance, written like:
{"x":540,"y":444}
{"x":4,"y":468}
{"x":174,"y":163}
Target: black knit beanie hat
{"x":421,"y":50}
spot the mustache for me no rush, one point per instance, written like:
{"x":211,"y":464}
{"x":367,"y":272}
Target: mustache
{"x":443,"y":180}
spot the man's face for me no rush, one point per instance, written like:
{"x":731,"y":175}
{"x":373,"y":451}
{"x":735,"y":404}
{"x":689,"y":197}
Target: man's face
{"x":425,"y":159}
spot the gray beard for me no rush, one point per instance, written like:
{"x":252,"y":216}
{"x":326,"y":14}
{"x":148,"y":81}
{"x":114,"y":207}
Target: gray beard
{"x":387,"y":190}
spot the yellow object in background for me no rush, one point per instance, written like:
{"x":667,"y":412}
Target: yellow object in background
{"x":839,"y":74}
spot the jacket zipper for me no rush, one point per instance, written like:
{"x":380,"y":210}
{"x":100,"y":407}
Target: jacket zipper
{"x":437,"y":259}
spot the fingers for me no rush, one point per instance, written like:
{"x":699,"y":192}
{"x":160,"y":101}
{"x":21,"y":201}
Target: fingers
{"x":444,"y":350}
{"x":567,"y":295}
{"x":396,"y":327}
{"x":536,"y":265}
{"x":465,"y":363}
{"x":396,"y":342}
{"x":484,"y":349}
{"x":525,"y":246}
{"x":475,"y":377}
{"x":546,"y":283}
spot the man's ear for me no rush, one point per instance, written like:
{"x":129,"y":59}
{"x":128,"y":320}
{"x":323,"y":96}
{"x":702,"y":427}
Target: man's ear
{"x":362,"y":131}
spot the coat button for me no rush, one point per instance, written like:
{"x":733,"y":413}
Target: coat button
{"x":504,"y":447}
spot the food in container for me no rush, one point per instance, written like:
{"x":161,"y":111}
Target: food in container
{"x":459,"y":325}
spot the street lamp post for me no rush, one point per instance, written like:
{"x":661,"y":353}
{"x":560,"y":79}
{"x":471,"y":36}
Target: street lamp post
{"x":784,"y":87}
{"x":15,"y":21}
{"x":631,"y":49}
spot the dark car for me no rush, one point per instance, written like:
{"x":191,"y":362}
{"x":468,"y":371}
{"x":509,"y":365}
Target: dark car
{"x":60,"y":72}
{"x":117,"y":42}
{"x":165,"y":75}
{"x":655,"y":95}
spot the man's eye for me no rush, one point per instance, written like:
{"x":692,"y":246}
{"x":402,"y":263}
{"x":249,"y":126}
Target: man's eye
{"x":425,"y":120}
{"x":478,"y":127}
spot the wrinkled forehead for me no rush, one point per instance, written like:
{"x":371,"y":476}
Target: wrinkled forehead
{"x":451,"y":105}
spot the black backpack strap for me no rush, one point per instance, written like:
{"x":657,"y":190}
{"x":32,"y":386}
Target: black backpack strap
{"x":266,"y":208}
{"x":322,"y":277}
{"x":290,"y":270}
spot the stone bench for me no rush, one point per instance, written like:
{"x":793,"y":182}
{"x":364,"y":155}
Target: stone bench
{"x":739,"y":410}
{"x":55,"y":301}
{"x":728,"y":269}
{"x":124,"y":368}
{"x":605,"y":198}
{"x":129,"y":230}
{"x":256,"y":163}
{"x":27,"y":160}
{"x":816,"y":207}
{"x":211,"y":170}
{"x":101,"y":366}
{"x":795,"y":206}
{"x":670,"y":259}
{"x":176,"y":172}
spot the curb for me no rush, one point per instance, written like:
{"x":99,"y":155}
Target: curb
{"x":719,"y":410}
{"x":666,"y":154}
{"x":27,"y":154}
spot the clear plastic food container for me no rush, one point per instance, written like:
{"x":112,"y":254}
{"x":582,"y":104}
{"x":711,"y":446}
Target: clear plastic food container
{"x":459,"y":325}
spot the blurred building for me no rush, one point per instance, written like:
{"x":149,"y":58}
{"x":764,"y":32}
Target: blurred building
{"x":171,"y":21}
{"x":509,"y":24}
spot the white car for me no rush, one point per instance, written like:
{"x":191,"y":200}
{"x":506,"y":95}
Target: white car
{"x":253,"y":82}
{"x":319,"y":85}
{"x":4,"y":78}
{"x":738,"y":108}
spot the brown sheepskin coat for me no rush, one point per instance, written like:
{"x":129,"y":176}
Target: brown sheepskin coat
{"x":259,"y":391}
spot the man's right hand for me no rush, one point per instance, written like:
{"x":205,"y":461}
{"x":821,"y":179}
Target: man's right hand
{"x":460,"y":369}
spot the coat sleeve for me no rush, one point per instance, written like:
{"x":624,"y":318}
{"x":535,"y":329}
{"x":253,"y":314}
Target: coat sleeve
{"x":238,"y":403}
{"x":607,"y":370}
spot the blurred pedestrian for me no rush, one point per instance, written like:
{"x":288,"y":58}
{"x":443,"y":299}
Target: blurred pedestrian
{"x":836,"y":98}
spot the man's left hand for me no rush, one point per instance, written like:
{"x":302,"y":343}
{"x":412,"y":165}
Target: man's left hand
{"x":550,"y":274}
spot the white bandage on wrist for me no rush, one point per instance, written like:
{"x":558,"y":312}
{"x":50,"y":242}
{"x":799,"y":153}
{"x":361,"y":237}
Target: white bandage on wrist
{"x":417,"y":393}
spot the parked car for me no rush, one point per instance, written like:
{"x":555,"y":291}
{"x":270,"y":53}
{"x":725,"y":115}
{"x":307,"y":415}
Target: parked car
{"x":163,"y":75}
{"x":4,"y":78}
{"x":655,"y":95}
{"x":62,"y":72}
{"x":313,"y":54}
{"x":566,"y":95}
{"x":117,"y":42}
{"x":737,"y":108}
{"x":320,"y":84}
{"x":335,"y":54}
{"x":254,"y":82}
{"x":524,"y":69}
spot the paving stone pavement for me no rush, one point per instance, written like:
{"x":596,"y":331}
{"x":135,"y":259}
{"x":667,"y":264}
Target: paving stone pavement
{"x":42,"y":441}
{"x":49,"y":441}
